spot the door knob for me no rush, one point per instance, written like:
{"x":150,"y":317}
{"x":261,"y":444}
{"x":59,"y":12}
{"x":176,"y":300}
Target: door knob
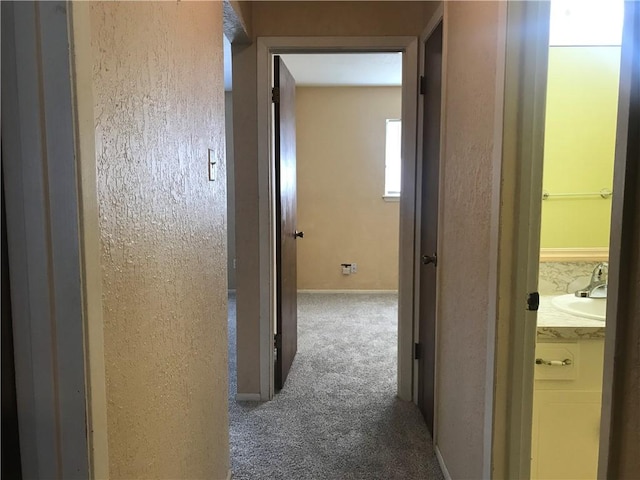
{"x":427,"y":259}
{"x":298,"y":234}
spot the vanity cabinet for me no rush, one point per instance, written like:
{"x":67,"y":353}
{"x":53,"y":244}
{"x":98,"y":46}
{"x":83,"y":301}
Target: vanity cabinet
{"x":566,"y":409}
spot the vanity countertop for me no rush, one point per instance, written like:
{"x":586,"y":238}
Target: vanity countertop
{"x":556,"y":325}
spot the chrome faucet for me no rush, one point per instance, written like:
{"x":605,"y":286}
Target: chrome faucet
{"x":597,"y":287}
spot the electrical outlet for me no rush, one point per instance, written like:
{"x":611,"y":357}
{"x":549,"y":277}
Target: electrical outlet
{"x":354,"y":268}
{"x":346,"y":268}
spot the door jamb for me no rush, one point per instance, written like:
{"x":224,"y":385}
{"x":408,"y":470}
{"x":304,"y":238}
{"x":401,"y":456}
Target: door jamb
{"x":82,"y":84}
{"x":522,"y":145}
{"x":267,"y":46}
{"x":43,"y":229}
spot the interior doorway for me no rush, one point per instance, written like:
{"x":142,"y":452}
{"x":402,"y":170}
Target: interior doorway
{"x":580,"y":137}
{"x":271,"y":46}
{"x":534,"y":361}
{"x":345,"y":110}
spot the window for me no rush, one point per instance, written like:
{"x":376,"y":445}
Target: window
{"x":392,"y":160}
{"x":579,"y":22}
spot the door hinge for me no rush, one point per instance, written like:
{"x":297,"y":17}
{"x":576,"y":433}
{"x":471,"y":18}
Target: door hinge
{"x":423,"y":85}
{"x":277,"y":341}
{"x":275,"y":95}
{"x":417,"y":351}
{"x":533,"y":301}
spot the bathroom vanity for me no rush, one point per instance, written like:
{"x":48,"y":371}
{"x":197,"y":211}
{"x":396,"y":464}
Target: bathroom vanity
{"x":567,"y":395}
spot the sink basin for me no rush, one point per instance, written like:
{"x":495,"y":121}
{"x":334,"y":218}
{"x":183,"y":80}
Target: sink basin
{"x":594,"y":308}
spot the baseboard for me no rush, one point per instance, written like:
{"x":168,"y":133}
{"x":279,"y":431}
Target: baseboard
{"x":443,"y":467}
{"x":600,"y":254}
{"x":248,"y":397}
{"x":229,"y":475}
{"x":348,"y":291}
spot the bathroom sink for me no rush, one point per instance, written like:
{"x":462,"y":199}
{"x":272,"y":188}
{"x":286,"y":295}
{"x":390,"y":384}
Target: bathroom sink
{"x":594,"y":308}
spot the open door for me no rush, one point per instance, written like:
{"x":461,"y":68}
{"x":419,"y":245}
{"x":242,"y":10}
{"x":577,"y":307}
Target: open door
{"x":286,"y":339}
{"x":431,"y":89}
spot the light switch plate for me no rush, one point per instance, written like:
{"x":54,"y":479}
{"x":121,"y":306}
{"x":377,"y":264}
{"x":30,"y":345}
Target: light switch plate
{"x":212,"y":163}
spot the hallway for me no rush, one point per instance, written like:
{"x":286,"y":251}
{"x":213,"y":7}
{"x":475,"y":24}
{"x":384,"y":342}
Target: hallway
{"x":338,"y":416}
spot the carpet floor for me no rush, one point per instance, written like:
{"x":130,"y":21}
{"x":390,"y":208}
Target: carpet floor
{"x":337,"y":416}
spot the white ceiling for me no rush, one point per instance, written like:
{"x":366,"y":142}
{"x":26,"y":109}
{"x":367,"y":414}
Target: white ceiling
{"x":345,"y":69}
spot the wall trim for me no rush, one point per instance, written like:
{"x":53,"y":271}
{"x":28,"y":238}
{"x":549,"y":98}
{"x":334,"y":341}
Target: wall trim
{"x":248,"y":397}
{"x":443,"y":466}
{"x":491,"y":397}
{"x":595,"y":254}
{"x":82,"y":83}
{"x":354,"y":292}
{"x":229,"y":475}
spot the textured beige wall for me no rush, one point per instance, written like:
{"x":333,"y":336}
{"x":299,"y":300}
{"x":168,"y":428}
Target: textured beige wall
{"x":341,"y":156}
{"x":312,"y":18}
{"x":322,"y":18}
{"x":464,"y":261}
{"x":159,"y":105}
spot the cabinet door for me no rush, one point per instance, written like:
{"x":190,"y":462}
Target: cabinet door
{"x":566,"y":431}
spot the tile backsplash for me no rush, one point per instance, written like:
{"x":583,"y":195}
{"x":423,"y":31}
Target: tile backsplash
{"x":556,"y":278}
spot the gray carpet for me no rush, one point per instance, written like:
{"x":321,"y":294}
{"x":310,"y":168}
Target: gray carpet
{"x":337,"y":416}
